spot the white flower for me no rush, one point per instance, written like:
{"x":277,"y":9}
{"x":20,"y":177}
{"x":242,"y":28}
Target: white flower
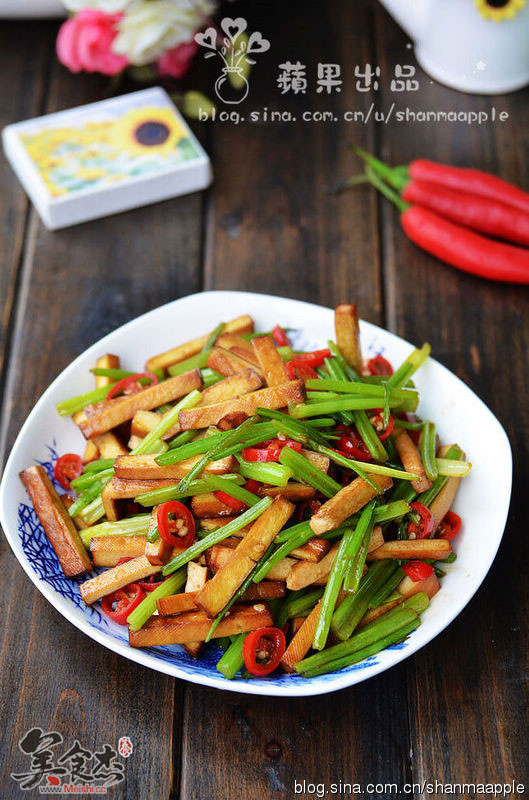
{"x":108,"y":6}
{"x":150,"y":27}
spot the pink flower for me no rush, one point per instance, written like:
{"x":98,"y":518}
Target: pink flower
{"x":84,"y":43}
{"x":175,"y":63}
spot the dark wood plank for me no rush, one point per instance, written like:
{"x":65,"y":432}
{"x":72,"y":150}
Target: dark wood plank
{"x":273,"y":228}
{"x":77,"y":285}
{"x":21,"y":96}
{"x":467,"y":699}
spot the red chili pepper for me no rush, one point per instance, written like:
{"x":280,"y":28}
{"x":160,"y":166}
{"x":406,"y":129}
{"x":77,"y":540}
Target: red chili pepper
{"x":297,"y":370}
{"x":129,"y":383}
{"x":151,"y":583}
{"x":123,"y":560}
{"x":313,"y":359}
{"x":67,"y":467}
{"x":417,"y":570}
{"x":183,"y":522}
{"x":353,"y":445}
{"x":378,"y":422}
{"x":450,"y":526}
{"x":422,"y":529}
{"x":279,"y":336}
{"x":473,"y":181}
{"x":228,"y":500}
{"x":119,"y":604}
{"x":378,"y":365}
{"x":252,"y":486}
{"x":262,"y":651}
{"x":480,"y":213}
{"x":271,"y":452}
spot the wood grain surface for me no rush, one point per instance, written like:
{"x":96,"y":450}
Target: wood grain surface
{"x":457,"y":710}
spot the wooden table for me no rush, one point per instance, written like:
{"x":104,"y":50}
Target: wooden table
{"x":457,"y":710}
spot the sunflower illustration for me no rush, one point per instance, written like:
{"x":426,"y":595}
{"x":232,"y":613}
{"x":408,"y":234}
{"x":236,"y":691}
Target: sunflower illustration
{"x":499,"y":10}
{"x":147,"y":130}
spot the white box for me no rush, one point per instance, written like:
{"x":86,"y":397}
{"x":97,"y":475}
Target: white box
{"x":106,"y":157}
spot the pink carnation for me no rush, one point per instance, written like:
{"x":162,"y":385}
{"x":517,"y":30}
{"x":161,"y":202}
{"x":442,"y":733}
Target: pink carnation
{"x":84,"y":43}
{"x":175,"y":63}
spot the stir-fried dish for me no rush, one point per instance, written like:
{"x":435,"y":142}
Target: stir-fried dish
{"x":288,"y":505}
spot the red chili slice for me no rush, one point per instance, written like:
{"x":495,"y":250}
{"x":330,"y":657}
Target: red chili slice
{"x":271,"y":452}
{"x":151,"y":583}
{"x":252,"y":486}
{"x":262,"y":650}
{"x":298,"y":370}
{"x":312,"y":359}
{"x":228,"y":500}
{"x":417,"y":570}
{"x":352,"y":445}
{"x":378,"y":365}
{"x":450,"y":526}
{"x":279,"y":336}
{"x":67,"y":467}
{"x":167,"y":528}
{"x":128,"y":383}
{"x":377,"y":421}
{"x":423,"y":528}
{"x":119,"y":604}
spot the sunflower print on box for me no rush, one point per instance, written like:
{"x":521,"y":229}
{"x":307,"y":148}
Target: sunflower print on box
{"x":140,"y":142}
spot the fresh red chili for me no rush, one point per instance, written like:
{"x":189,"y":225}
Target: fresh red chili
{"x":183,"y":521}
{"x":231,"y":502}
{"x":279,"y":336}
{"x":421,"y":528}
{"x":262,"y":651}
{"x":378,"y":365}
{"x":67,"y":467}
{"x":352,"y":444}
{"x":271,"y":452}
{"x":378,"y":422}
{"x":120,"y":603}
{"x":297,"y":370}
{"x":480,"y":213}
{"x":450,"y":526}
{"x":151,"y":583}
{"x":473,"y":181}
{"x":313,"y":359}
{"x":417,"y":570}
{"x":130,"y":383}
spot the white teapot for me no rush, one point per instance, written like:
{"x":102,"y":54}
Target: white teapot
{"x":479,"y":46}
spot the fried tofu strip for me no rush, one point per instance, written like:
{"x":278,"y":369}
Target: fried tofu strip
{"x":91,"y":452}
{"x":430,"y":586}
{"x":218,"y":591}
{"x":273,"y":397}
{"x":377,"y":539}
{"x":231,"y":362}
{"x":445,"y":498}
{"x":197,"y":576}
{"x":302,"y":641}
{"x":113,"y":579}
{"x":186,"y":601}
{"x":218,"y":555}
{"x":412,"y":548}
{"x":303,"y":573}
{"x":236,"y":344}
{"x":107,"y":361}
{"x":58,"y":526}
{"x":234,"y":386}
{"x":145,"y":467}
{"x":317,"y":460}
{"x":347,"y":329}
{"x":107,"y":550}
{"x":119,"y":489}
{"x":242,"y":324}
{"x":346,"y":502}
{"x":411,"y":459}
{"x":269,"y":360}
{"x":292,"y":491}
{"x":108,"y":445}
{"x":375,"y":613}
{"x":193,"y":626}
{"x":158,"y":552}
{"x":206,"y":505}
{"x":124,"y":408}
{"x":212,"y":523}
{"x":143,"y":422}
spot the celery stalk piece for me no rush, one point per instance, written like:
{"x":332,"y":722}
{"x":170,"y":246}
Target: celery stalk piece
{"x":166,"y":423}
{"x":199,"y":486}
{"x":147,"y":607}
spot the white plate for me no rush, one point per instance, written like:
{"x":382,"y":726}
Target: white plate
{"x":482,"y":501}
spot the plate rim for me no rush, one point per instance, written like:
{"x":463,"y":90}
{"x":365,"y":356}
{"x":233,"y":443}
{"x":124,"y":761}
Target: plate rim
{"x":137,"y":655}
